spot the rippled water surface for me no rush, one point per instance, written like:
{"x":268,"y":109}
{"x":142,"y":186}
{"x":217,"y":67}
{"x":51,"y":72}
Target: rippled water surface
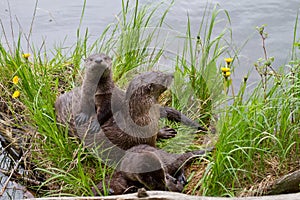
{"x":56,"y":22}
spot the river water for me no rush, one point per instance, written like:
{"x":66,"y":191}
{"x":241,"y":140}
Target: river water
{"x":56,"y":23}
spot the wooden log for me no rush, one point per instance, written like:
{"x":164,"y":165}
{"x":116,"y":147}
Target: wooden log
{"x":162,"y":195}
{"x":286,"y":184}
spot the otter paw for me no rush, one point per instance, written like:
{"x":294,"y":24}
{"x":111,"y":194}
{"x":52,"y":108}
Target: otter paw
{"x":172,"y":184}
{"x":94,"y":126}
{"x":166,"y":132}
{"x":181,"y":178}
{"x":81,"y":119}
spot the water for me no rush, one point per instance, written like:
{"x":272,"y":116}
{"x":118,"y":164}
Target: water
{"x":56,"y":22}
{"x":13,"y":190}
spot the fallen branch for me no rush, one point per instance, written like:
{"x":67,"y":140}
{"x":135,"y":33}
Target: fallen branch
{"x":287,"y":184}
{"x":11,"y":173}
{"x":20,"y":178}
{"x":161,"y":195}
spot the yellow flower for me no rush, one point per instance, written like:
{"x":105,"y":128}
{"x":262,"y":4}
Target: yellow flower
{"x":225,"y":69}
{"x":228,"y":60}
{"x":226,"y":74}
{"x":16,"y":94}
{"x":26,"y":55}
{"x":15,"y":80}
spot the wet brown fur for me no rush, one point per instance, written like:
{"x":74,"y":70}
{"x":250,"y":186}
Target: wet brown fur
{"x":149,"y":167}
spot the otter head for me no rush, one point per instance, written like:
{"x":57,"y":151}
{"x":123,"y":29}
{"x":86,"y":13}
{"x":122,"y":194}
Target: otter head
{"x":149,"y":85}
{"x":142,"y":96}
{"x":98,"y":65}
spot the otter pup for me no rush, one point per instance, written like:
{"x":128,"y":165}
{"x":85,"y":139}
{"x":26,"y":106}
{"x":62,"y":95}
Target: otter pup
{"x":137,"y":120}
{"x":149,"y":167}
{"x":110,"y":99}
{"x":76,"y":107}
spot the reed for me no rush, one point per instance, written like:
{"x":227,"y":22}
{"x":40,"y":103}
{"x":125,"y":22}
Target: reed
{"x":259,"y":135}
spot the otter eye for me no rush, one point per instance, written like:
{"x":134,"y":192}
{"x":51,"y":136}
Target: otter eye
{"x":150,"y":87}
{"x":88,"y":59}
{"x":106,"y":58}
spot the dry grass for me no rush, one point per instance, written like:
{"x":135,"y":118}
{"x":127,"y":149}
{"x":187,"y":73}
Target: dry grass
{"x":195,"y":173}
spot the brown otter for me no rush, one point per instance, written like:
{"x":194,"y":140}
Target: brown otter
{"x":76,"y":108}
{"x":137,"y":120}
{"x":149,"y":167}
{"x":110,"y":99}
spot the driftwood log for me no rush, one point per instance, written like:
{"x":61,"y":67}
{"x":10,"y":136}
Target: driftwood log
{"x":162,"y":195}
{"x":286,"y":184}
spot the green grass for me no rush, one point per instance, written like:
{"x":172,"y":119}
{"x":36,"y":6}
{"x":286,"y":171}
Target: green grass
{"x":257,"y":134}
{"x":251,"y":135}
{"x":197,"y":72}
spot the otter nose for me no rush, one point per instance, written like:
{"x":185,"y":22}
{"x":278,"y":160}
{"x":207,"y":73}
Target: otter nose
{"x":98,"y":60}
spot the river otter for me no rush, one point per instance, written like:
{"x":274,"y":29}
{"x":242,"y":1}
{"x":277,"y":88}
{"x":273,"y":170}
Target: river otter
{"x":76,"y":108}
{"x":149,"y":167}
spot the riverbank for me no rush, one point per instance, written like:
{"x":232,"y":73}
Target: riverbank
{"x":256,"y":133}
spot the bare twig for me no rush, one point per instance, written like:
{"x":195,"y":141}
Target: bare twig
{"x":31,"y":24}
{"x":12,"y":172}
{"x":163,"y":195}
{"x":19,"y":177}
{"x":264,"y":75}
{"x":5,"y":36}
{"x":11,"y":26}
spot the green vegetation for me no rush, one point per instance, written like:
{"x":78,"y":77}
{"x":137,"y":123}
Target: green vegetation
{"x":258,"y":133}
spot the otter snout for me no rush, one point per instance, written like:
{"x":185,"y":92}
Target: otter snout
{"x":98,"y":60}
